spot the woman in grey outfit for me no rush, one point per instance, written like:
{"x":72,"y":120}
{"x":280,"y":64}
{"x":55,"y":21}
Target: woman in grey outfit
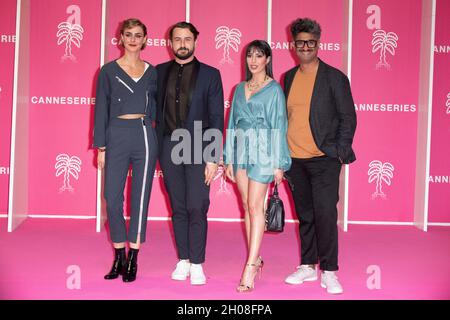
{"x":124,"y":136}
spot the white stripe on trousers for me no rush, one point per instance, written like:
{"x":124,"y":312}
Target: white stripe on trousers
{"x":144,"y":179}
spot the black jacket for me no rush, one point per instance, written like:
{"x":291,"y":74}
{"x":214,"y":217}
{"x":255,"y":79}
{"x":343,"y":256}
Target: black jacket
{"x":205,"y":99}
{"x":332,"y":116}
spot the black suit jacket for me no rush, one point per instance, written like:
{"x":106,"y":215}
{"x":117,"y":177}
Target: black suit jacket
{"x":332,"y":116}
{"x":205,"y":101}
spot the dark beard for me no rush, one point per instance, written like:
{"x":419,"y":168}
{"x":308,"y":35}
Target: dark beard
{"x":185,"y":56}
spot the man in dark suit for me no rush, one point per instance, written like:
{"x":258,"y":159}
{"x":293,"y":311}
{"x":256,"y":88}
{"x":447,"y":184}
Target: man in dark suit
{"x":322,"y":123}
{"x":190,"y":109}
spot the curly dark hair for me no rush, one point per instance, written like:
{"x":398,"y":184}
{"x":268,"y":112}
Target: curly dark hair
{"x":306,"y":25}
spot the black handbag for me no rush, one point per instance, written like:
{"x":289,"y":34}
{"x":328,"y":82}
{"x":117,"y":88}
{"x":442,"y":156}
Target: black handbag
{"x":275,"y":212}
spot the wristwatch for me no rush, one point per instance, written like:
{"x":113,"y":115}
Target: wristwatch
{"x":101,"y":150}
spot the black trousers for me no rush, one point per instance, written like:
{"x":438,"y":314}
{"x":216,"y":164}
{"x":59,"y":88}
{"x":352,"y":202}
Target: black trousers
{"x":189,"y":199}
{"x":314,"y":186}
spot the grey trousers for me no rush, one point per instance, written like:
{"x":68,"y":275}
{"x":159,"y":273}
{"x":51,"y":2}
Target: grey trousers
{"x":129,"y":142}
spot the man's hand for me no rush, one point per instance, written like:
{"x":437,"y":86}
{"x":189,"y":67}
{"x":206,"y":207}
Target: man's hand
{"x":210,"y":172}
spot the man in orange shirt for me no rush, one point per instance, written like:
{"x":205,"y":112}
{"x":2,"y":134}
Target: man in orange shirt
{"x":321,"y":126}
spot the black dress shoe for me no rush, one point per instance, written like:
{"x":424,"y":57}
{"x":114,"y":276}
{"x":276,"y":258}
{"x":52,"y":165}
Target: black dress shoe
{"x":130,"y":271}
{"x":118,"y":266}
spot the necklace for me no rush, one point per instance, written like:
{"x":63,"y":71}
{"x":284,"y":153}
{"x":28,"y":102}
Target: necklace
{"x":253,"y":85}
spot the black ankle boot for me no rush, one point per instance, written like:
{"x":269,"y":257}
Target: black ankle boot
{"x":131,"y":266}
{"x":118,"y":266}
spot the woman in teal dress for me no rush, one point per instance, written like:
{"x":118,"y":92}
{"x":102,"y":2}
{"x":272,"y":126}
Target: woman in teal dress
{"x":256,"y":150}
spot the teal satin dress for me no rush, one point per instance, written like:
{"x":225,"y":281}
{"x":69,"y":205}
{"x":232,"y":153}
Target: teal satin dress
{"x":257,"y":133}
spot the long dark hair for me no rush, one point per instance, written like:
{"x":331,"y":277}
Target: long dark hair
{"x":263,"y":47}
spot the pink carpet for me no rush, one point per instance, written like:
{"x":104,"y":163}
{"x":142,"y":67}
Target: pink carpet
{"x":34,"y":261}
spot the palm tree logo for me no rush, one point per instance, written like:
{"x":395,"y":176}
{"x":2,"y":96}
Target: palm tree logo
{"x":223,"y":184}
{"x":70,"y":166}
{"x":69,"y":34}
{"x":447,"y":103}
{"x":227,"y":38}
{"x":380,"y":172}
{"x":383,"y":42}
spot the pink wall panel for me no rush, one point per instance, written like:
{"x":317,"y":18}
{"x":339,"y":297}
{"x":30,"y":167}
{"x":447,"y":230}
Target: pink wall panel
{"x":231,"y":18}
{"x":158,"y":17}
{"x":439,"y":202}
{"x":385,"y":79}
{"x":330,"y":15}
{"x":157,"y":51}
{"x":7,"y":41}
{"x":64,"y":59}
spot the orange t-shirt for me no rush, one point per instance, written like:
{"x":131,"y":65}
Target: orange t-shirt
{"x":299,"y":136}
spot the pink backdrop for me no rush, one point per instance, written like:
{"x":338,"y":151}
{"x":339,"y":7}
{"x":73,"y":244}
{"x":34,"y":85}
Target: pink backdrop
{"x":439,"y":203}
{"x":63,"y":128}
{"x":7,"y":39}
{"x":387,"y":81}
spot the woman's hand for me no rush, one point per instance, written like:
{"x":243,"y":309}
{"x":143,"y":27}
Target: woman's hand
{"x":100,"y":159}
{"x":229,"y":173}
{"x":210,"y":172}
{"x":278,"y":175}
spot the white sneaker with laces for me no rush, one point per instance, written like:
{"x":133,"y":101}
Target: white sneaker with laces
{"x":330,"y":281}
{"x":303,"y":273}
{"x":197,"y":275}
{"x":181,"y":272}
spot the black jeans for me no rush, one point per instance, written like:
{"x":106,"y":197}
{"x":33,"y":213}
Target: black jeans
{"x":314,"y":186}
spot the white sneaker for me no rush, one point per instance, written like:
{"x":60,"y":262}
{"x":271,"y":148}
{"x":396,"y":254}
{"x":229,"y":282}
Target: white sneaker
{"x":330,"y":282}
{"x":304,"y":273}
{"x":197,"y":275}
{"x":181,"y":272}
